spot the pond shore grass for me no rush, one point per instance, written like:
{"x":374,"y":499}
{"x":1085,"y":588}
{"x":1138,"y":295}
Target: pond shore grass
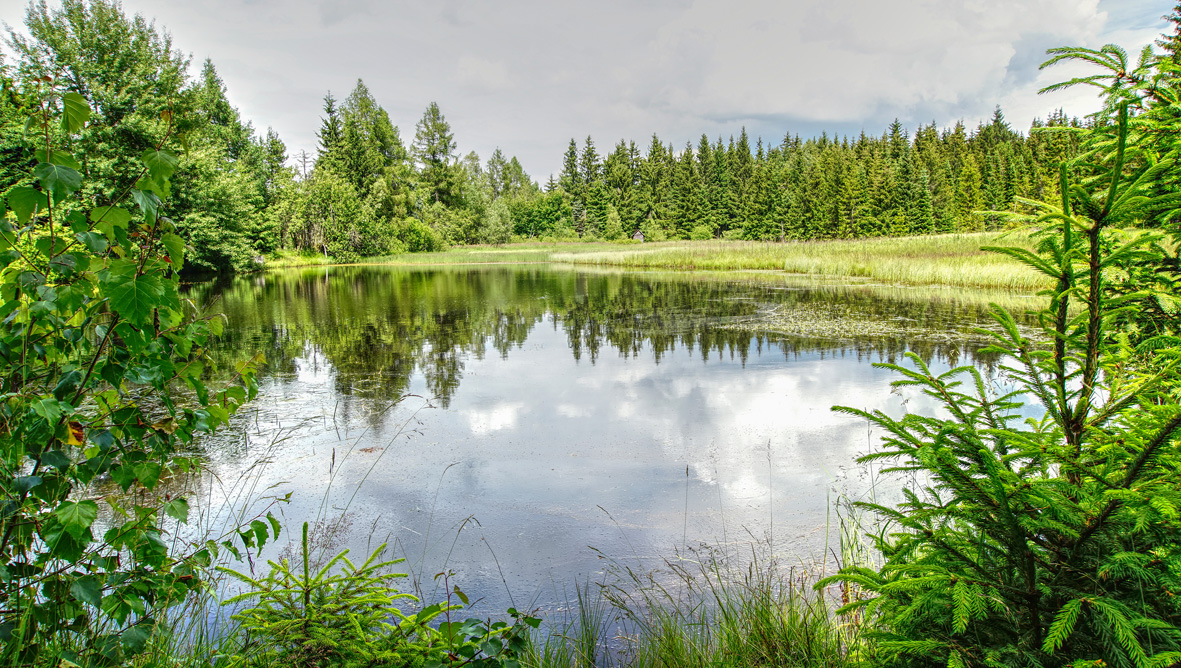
{"x":949,"y":259}
{"x":285,"y":259}
{"x":717,"y":605}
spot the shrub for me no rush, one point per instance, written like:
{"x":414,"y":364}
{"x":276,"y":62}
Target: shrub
{"x":418,"y":237}
{"x":95,"y":341}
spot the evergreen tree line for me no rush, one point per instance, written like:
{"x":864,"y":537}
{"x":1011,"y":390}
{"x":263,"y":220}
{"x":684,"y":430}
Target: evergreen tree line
{"x":823,"y":187}
{"x":238,"y":195}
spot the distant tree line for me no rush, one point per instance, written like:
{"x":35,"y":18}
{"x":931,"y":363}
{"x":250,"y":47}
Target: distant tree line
{"x":815,"y":188}
{"x":237,"y":194}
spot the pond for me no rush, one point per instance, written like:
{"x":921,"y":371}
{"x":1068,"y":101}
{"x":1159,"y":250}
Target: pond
{"x":525,"y":427}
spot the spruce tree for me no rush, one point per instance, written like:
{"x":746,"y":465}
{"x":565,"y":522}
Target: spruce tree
{"x":1053,"y":540}
{"x":329,"y":135}
{"x":434,"y":149}
{"x":571,"y":178}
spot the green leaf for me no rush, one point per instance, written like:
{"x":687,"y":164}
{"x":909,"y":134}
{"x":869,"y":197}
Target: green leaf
{"x":58,"y":180}
{"x":26,"y":483}
{"x":135,"y":639}
{"x":95,"y":241}
{"x":34,"y":120}
{"x":48,"y":408}
{"x":260,"y":530}
{"x":160,"y":164}
{"x":176,"y":249}
{"x":68,"y":384}
{"x":124,"y":476}
{"x":62,"y":543}
{"x":77,"y":517}
{"x":77,"y":220}
{"x":134,"y":296}
{"x":57,"y":459}
{"x":179,"y":509}
{"x":50,"y":246}
{"x":119,"y":607}
{"x":148,"y":203}
{"x":157,"y":188}
{"x":110,"y":214}
{"x":148,"y":474}
{"x":57,"y":158}
{"x":275,"y":526}
{"x":26,"y":201}
{"x":88,"y":589}
{"x":75,"y":112}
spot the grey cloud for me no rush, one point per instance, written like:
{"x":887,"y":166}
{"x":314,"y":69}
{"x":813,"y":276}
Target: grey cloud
{"x":528,"y":75}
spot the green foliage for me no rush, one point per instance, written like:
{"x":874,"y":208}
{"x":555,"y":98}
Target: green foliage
{"x":434,"y":149}
{"x":1151,"y":90}
{"x":143,"y":99}
{"x":96,"y":346}
{"x":1054,"y":542}
{"x":418,"y":237}
{"x":498,"y":223}
{"x":307,"y":615}
{"x":819,"y":188}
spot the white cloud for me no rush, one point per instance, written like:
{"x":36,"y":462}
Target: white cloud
{"x":485,"y":420}
{"x":573,"y":411}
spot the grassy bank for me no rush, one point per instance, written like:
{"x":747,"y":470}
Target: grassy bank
{"x":950,"y":260}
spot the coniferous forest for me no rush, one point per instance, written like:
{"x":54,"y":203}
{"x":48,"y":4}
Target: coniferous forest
{"x":377,"y":187}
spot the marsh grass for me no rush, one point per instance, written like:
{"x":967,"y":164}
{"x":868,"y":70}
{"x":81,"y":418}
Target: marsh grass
{"x":950,"y":259}
{"x":724,"y":604}
{"x":698,"y":610}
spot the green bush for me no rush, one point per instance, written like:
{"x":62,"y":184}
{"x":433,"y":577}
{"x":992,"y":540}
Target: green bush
{"x":94,"y":433}
{"x":418,"y":237}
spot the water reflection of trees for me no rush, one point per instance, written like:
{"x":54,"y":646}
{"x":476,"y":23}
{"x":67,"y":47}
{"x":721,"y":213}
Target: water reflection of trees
{"x":378,"y":326}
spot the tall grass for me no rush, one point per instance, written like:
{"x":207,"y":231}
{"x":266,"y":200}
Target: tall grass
{"x":950,"y":259}
{"x":701,"y":612}
{"x":718,"y":606}
{"x":282,"y":259}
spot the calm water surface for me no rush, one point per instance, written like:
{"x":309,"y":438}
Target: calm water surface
{"x":514,"y":423}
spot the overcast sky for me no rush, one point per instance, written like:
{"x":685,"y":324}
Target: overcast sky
{"x":527,"y":75}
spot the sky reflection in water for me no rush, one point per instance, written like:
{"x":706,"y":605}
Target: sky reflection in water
{"x":534,"y":455}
